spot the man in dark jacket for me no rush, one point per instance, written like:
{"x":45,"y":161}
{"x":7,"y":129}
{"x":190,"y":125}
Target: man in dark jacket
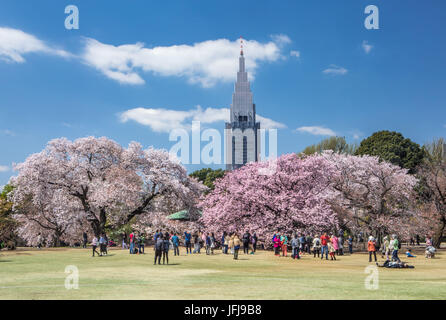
{"x":85,"y":240}
{"x":159,"y":245}
{"x":246,"y":238}
{"x":254,"y":242}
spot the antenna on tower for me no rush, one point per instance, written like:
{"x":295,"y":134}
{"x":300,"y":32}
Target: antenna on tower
{"x":241,"y":45}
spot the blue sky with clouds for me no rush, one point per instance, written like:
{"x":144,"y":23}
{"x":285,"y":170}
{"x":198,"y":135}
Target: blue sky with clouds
{"x":135,"y":70}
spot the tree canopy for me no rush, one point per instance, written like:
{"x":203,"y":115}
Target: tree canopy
{"x":392,"y":147}
{"x":98,"y":181}
{"x":335,"y":144}
{"x":208,"y":176}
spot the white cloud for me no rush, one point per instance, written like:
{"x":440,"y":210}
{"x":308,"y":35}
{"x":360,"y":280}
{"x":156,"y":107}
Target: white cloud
{"x":317,"y":130}
{"x":281,"y":39}
{"x":205,"y":63}
{"x":4,"y":169}
{"x":335,"y":70}
{"x":366,"y":47}
{"x":165,"y":120}
{"x":295,"y":53}
{"x":14,"y":44}
{"x":8,"y":133}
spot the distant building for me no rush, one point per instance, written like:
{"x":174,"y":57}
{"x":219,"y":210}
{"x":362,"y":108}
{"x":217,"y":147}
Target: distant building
{"x":242,"y":135}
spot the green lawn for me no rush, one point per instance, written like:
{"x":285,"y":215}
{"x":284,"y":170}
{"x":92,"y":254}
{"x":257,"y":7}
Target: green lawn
{"x":39,"y":274}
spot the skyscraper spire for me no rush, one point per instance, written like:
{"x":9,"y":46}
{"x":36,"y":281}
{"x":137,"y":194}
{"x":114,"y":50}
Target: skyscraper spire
{"x":242,"y":138}
{"x":241,"y":45}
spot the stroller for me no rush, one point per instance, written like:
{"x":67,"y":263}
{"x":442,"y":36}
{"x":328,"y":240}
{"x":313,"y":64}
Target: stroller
{"x":430,"y":252}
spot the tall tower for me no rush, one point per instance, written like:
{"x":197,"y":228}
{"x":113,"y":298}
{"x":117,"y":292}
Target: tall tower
{"x":242,"y":136}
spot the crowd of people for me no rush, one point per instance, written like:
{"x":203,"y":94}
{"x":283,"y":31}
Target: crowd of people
{"x":319,"y":246}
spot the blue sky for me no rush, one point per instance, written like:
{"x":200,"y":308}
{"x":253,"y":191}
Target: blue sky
{"x":315,"y":66}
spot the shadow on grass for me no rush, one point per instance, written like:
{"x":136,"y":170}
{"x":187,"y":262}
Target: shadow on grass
{"x":170,"y":264}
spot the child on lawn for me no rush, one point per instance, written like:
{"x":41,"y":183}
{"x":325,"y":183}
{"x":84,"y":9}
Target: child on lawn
{"x":331,"y":250}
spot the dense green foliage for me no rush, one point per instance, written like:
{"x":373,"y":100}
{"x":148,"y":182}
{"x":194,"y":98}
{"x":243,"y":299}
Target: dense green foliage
{"x":207,"y":176}
{"x":336,"y":144}
{"x":391,"y":146}
{"x":7,"y":223}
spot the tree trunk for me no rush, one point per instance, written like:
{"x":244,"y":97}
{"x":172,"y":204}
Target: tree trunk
{"x":438,"y":235}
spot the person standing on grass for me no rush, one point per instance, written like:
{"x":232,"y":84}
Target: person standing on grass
{"x":223,"y":236}
{"x":371,"y":248}
{"x":196,"y":243}
{"x":295,"y":246}
{"x":332,"y":250}
{"x":341,"y":245}
{"x":246,"y":238}
{"x":231,"y":243}
{"x":208,"y":244}
{"x":187,"y":242}
{"x":212,"y":240}
{"x":203,"y":239}
{"x":102,"y":245}
{"x":428,"y":241}
{"x":386,"y":248}
{"x":106,"y":244}
{"x":132,"y":244}
{"x":159,"y":244}
{"x":176,"y":244}
{"x":85,"y":240}
{"x":237,"y":244}
{"x":350,"y":244}
{"x":94,"y":245}
{"x":303,"y":243}
{"x":324,"y":246}
{"x":124,"y":239}
{"x":308,"y":241}
{"x":166,"y":245}
{"x":316,"y":246}
{"x":334,"y":242}
{"x":284,"y":244}
{"x":141,"y":244}
{"x":277,"y":245}
{"x":254,"y":242}
{"x":227,"y":239}
{"x":395,"y":246}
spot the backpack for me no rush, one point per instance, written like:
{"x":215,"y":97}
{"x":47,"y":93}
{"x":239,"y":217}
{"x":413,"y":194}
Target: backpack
{"x":399,"y":245}
{"x":318,"y":242}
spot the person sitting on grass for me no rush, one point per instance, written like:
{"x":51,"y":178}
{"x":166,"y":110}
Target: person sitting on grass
{"x":331,"y":250}
{"x":409,"y":254}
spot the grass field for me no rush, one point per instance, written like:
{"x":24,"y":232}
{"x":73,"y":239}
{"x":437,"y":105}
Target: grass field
{"x":40,"y":274}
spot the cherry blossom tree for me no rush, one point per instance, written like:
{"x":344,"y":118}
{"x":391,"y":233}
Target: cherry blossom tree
{"x":48,"y":221}
{"x":109,"y":184}
{"x":291,"y":199}
{"x":372,"y":195}
{"x":432,"y":188}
